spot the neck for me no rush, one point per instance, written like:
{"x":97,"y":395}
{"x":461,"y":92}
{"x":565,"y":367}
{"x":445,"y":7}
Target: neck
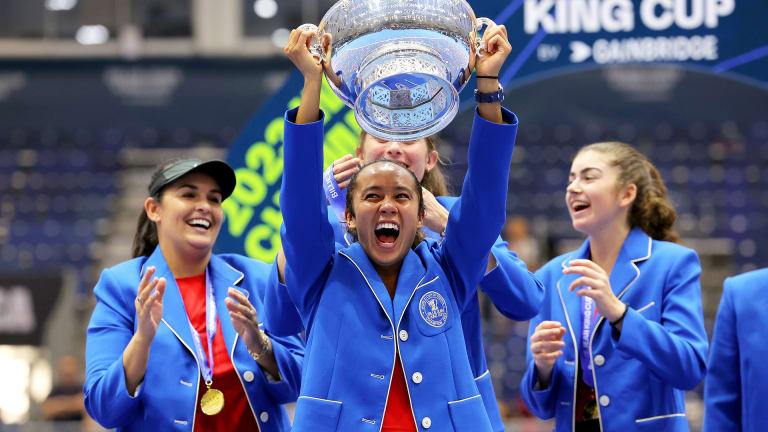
{"x":389,"y":276}
{"x":604,"y":246}
{"x":185,"y":264}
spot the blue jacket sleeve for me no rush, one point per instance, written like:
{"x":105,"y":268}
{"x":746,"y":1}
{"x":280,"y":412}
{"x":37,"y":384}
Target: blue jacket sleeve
{"x":541,"y":402}
{"x":109,"y":331}
{"x":476,"y":220}
{"x":515,"y":291}
{"x":722,"y":391}
{"x":674,"y":350}
{"x":289,"y":356}
{"x":307,"y":235}
{"x":280,"y":315}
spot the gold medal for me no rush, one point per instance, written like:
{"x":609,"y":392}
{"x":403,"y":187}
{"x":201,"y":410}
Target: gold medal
{"x":212,"y":402}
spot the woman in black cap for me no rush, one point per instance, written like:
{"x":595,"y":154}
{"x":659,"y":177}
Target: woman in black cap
{"x":174,"y":340}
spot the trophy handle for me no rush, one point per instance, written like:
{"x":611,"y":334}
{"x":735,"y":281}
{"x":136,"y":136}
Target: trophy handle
{"x":314,"y":44}
{"x":479,"y":43}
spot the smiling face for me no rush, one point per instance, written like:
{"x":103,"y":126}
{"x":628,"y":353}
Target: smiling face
{"x":188,"y":214}
{"x":594,"y":198}
{"x":386,"y":212}
{"x":415,"y":155}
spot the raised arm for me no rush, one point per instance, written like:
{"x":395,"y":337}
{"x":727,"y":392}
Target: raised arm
{"x":307,"y":236}
{"x":476,"y":220}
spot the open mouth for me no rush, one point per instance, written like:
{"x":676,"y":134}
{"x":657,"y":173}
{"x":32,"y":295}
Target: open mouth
{"x":199,"y":223}
{"x":578,"y":206}
{"x":386,"y":233}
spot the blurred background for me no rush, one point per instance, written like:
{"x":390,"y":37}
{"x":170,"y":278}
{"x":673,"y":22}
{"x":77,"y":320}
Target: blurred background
{"x":95,"y":93}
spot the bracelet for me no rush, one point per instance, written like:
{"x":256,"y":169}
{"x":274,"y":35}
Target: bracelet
{"x":487,"y":77}
{"x":621,"y":318}
{"x":264,"y":347}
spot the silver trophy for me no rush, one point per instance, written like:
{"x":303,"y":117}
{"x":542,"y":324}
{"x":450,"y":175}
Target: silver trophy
{"x":400,"y":64}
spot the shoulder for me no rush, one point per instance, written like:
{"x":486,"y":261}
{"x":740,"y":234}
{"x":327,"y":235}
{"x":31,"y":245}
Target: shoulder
{"x":245,"y":264}
{"x":133,"y":266}
{"x":673,"y":255}
{"x":747,"y":284}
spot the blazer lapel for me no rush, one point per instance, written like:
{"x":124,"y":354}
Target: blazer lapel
{"x":224,"y":276}
{"x":570,"y":301}
{"x":174,"y":312}
{"x":358,"y":257}
{"x":412,"y":274}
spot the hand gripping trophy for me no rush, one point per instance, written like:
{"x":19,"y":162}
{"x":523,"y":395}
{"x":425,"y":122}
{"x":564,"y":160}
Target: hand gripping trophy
{"x":399,"y":64}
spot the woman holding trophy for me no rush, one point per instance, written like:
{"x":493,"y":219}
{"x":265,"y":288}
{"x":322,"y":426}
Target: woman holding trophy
{"x":385,"y":350}
{"x":507,"y":281}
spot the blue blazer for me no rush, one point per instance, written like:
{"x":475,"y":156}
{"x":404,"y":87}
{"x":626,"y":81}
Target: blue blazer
{"x":354,"y":327}
{"x":737,"y":379}
{"x":641,"y":374}
{"x":514,"y":291}
{"x":166,"y":399}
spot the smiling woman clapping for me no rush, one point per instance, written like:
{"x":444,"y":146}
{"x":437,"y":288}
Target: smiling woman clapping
{"x":175,"y":340}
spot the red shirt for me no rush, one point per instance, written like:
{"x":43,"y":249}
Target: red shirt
{"x":398,"y":416}
{"x":236,"y":414}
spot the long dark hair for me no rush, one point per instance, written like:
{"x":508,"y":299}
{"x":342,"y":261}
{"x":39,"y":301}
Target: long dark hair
{"x":433,"y":180}
{"x":352,"y":188}
{"x":145,"y":240}
{"x":651,"y":211}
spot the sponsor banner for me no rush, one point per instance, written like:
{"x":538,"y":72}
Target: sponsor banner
{"x":252,"y":213}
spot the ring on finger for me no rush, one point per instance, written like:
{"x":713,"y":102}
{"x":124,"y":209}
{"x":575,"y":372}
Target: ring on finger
{"x":139,"y":301}
{"x":251,"y":311}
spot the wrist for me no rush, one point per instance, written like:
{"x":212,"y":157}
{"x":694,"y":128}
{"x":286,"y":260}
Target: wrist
{"x":618,"y":317}
{"x":258,"y":345}
{"x":488,"y":85}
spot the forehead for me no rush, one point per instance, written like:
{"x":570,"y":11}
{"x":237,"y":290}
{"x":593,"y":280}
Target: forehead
{"x":385,"y":175}
{"x":372,"y":139}
{"x":591,"y":159}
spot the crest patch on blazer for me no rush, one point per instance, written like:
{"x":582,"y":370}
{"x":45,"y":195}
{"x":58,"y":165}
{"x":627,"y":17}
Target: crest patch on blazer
{"x":433,"y":309}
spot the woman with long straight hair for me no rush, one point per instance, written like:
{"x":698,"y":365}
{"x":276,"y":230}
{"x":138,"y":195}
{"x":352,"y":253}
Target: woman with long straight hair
{"x":175,"y":340}
{"x":620,"y":336}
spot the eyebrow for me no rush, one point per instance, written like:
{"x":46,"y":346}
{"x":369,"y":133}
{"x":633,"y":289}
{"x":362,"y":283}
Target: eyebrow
{"x":585,"y":170}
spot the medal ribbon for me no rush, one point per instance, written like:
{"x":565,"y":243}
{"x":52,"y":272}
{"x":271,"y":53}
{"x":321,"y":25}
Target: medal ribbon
{"x":588,"y":319}
{"x":211,"y":319}
{"x":333,"y":193}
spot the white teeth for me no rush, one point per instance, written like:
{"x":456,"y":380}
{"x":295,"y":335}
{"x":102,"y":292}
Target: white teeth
{"x":387,"y":225}
{"x":200,"y":222}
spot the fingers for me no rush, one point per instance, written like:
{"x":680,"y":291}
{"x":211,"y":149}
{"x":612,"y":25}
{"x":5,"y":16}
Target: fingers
{"x":496,"y":39}
{"x":588,"y":264}
{"x":157,"y":296}
{"x":584,"y":281}
{"x":546,"y":347}
{"x":549,"y":324}
{"x":344,"y":169}
{"x":238,"y":304}
{"x":552,"y":334}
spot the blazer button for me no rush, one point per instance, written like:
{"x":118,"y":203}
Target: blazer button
{"x":605,"y":400}
{"x":599,"y":360}
{"x":426,"y":422}
{"x":248,"y":376}
{"x":416,"y":377}
{"x":264,"y":416}
{"x":403,"y":335}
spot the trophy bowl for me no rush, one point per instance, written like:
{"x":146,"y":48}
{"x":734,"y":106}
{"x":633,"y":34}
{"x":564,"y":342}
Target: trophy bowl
{"x":400,"y":64}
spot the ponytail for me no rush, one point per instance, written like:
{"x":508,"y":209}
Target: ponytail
{"x":145,"y":240}
{"x":651,"y":211}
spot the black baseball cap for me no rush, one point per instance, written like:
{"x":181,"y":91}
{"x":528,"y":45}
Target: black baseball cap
{"x":218,"y":169}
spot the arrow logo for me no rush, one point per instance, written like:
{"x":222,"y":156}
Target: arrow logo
{"x":580,"y":51}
